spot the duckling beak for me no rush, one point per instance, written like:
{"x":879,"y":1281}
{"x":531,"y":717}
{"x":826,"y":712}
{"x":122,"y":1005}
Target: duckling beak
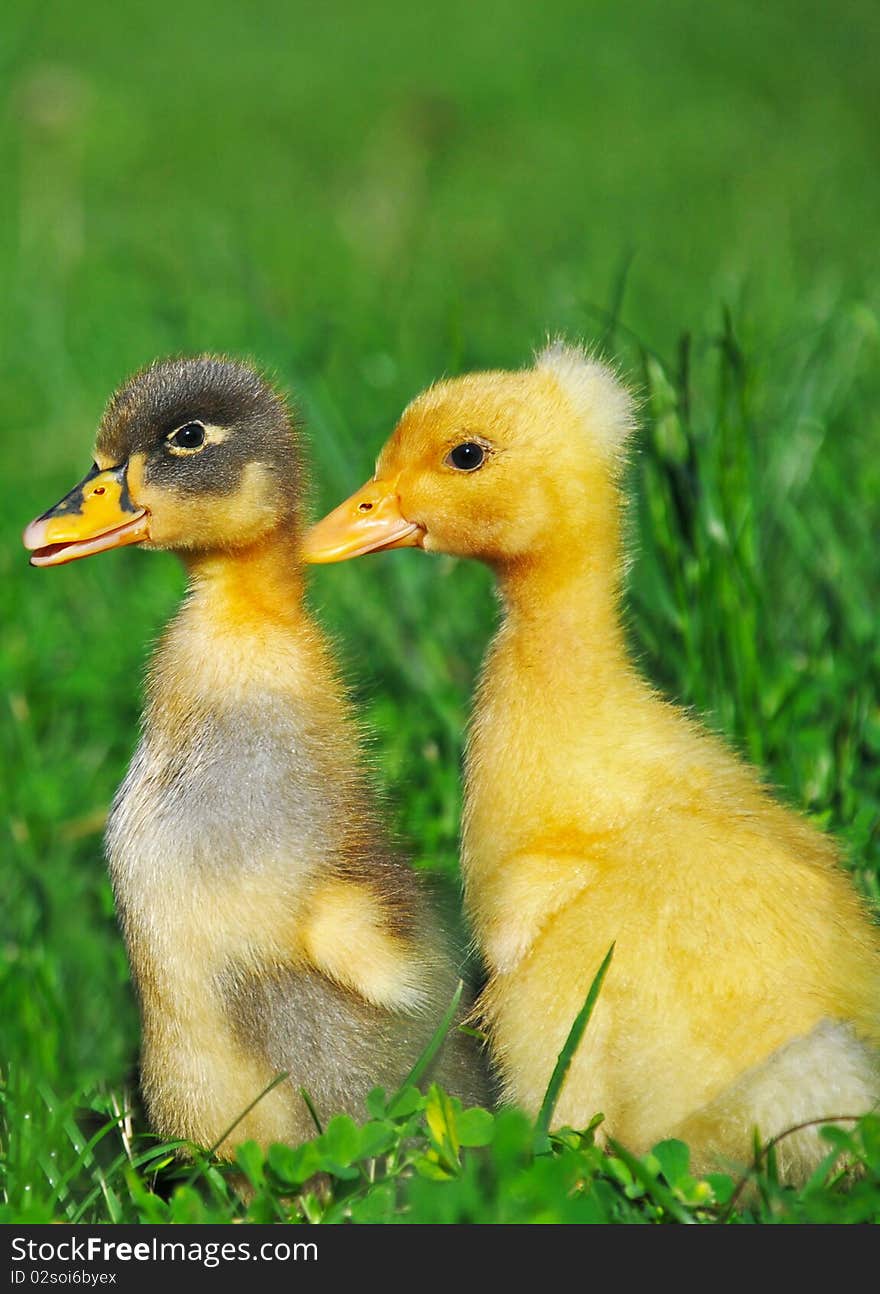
{"x":369,"y":522}
{"x":96,"y":515}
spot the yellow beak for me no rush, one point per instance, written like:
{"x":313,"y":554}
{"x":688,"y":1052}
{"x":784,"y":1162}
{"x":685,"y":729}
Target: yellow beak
{"x":96,"y":515}
{"x":369,"y":522}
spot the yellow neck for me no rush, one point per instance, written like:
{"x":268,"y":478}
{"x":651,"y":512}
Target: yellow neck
{"x":250,"y":588}
{"x":556,"y":693}
{"x":242,"y":632}
{"x":562,"y":618}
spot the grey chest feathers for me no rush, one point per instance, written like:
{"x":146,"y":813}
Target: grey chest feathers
{"x":269,"y":931}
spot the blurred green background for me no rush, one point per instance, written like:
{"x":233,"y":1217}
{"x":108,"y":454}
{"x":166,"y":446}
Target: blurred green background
{"x":364,"y":197}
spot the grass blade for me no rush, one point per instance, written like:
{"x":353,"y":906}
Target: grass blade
{"x":436,"y":1041}
{"x":205,"y":1157}
{"x":310,"y":1106}
{"x":563,"y":1063}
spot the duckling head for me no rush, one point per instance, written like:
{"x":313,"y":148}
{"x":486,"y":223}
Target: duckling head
{"x":195,"y":455}
{"x":500,"y":466}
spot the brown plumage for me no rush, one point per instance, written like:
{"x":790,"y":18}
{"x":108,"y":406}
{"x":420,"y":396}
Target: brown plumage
{"x":270,"y":927}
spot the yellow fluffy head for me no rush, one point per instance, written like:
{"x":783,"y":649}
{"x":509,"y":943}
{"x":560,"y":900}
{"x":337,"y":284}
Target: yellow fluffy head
{"x":501,"y":465}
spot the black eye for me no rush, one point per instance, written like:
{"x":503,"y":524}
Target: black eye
{"x":190,"y":436}
{"x":467,"y":457}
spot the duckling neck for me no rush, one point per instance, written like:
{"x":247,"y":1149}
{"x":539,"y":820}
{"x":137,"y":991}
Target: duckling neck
{"x":249,"y":588}
{"x":562,"y":621}
{"x":555,"y":694}
{"x":242,"y":632}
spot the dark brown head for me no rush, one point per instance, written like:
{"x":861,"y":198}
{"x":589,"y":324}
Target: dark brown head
{"x":191,"y":454}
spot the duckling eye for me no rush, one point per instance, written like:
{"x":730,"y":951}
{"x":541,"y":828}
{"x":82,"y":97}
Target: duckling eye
{"x":467,"y":457}
{"x":190,"y":436}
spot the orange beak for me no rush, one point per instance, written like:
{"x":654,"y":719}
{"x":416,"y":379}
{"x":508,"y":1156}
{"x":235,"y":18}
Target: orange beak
{"x":96,"y":515}
{"x":369,"y":522}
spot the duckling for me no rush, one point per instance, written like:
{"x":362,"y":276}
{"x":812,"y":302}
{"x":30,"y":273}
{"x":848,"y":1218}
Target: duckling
{"x":744,"y":990}
{"x":270,"y":928}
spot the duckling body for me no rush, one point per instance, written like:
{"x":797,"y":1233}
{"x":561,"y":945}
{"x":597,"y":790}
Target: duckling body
{"x":270,"y":930}
{"x":269,"y":926}
{"x":737,"y":937}
{"x":745,"y":985}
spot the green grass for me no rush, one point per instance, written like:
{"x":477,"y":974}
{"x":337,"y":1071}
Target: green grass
{"x":365,"y":200}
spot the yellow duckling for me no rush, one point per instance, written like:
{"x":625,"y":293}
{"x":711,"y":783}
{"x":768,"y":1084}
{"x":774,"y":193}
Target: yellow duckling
{"x":745,"y":986}
{"x":269,"y":926}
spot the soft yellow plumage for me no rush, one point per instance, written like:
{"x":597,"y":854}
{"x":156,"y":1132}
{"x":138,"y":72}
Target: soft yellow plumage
{"x":745,"y":986}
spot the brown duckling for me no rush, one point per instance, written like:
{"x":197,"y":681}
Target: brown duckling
{"x":269,"y":925}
